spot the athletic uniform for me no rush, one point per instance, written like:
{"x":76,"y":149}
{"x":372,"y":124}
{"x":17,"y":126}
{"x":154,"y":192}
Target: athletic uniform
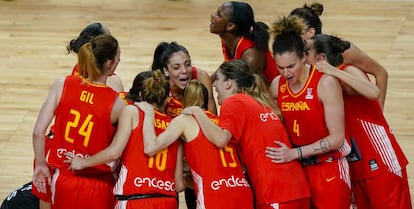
{"x":274,"y":185}
{"x":21,"y":198}
{"x":47,"y":196}
{"x":218,"y":177}
{"x":303,"y":115}
{"x":123,"y":95}
{"x":270,"y":71}
{"x":82,"y":126}
{"x":173,"y":107}
{"x":379,"y":177}
{"x":147,"y":181}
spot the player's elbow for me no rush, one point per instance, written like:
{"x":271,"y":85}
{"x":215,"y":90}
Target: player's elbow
{"x":179,"y":186}
{"x":220,"y":144}
{"x":149,"y":151}
{"x":38,"y":134}
{"x":373,"y":93}
{"x":337,"y":142}
{"x":113,"y":155}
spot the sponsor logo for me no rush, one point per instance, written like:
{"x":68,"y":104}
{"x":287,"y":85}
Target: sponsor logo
{"x":275,"y":205}
{"x":154,"y":183}
{"x":268,"y":116}
{"x":61,"y":151}
{"x":373,"y":165}
{"x":330,"y":179}
{"x":229,"y":183}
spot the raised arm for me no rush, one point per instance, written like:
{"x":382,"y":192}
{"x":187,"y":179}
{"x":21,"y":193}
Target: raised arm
{"x":354,"y":82}
{"x":361,"y":60}
{"x":216,"y":135}
{"x":152,"y":143}
{"x":127,"y":122}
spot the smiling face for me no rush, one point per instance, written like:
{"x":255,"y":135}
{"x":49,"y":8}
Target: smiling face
{"x":179,"y":70}
{"x":290,"y":66}
{"x":220,"y":19}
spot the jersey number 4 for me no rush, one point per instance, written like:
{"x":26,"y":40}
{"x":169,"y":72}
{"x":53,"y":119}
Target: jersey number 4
{"x":296,"y":128}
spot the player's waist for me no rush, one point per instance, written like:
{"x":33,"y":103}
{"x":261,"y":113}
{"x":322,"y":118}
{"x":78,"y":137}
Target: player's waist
{"x":322,"y":158}
{"x":142,"y":196}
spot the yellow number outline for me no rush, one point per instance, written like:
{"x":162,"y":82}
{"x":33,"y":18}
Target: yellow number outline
{"x":84,"y":130}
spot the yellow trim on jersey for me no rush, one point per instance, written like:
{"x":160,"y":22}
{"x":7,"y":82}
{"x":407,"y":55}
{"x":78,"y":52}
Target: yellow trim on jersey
{"x":304,"y":88}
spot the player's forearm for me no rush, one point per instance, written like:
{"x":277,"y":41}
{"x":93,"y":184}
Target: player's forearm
{"x":39,"y":149}
{"x":149,"y":134}
{"x":214,"y":133}
{"x":381,"y":81}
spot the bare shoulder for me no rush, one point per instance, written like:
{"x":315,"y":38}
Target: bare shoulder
{"x":130,"y":109}
{"x":274,"y":86}
{"x":202,"y":73}
{"x":329,"y":86}
{"x":185,"y":119}
{"x":115,"y":82}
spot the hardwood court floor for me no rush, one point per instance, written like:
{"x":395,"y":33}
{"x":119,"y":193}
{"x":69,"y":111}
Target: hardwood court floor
{"x":33,"y":36}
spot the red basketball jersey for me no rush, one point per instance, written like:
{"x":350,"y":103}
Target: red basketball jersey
{"x":143,"y":174}
{"x":254,"y":130}
{"x":270,"y":72}
{"x":82,"y":122}
{"x":217,"y":174}
{"x":366,"y":124}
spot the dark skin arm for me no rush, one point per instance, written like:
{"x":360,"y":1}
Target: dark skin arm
{"x":255,"y":59}
{"x":361,"y":60}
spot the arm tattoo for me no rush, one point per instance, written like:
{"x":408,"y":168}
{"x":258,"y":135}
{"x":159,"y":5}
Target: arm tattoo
{"x":324,"y":146}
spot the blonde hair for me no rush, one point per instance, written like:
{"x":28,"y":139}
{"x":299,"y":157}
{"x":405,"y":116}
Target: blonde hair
{"x":195,"y":94}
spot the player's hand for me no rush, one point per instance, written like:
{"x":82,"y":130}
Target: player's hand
{"x":41,"y":177}
{"x":76,"y":163}
{"x":280,"y":154}
{"x":324,"y":67}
